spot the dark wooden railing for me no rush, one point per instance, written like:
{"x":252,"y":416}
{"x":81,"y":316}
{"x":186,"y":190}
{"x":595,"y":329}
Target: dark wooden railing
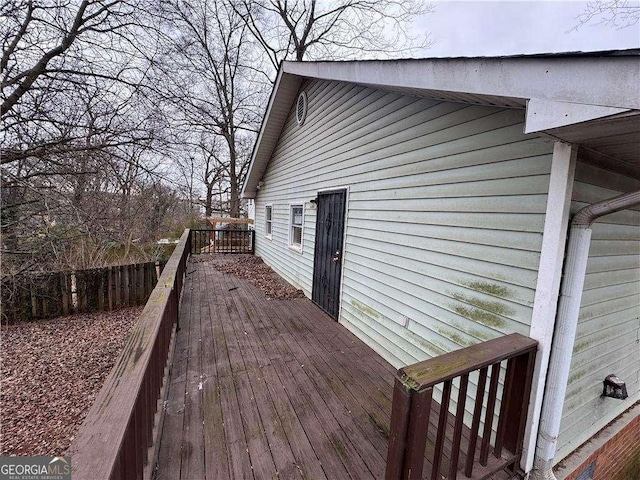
{"x":116,"y":440}
{"x":222,"y":241}
{"x":455,"y":450}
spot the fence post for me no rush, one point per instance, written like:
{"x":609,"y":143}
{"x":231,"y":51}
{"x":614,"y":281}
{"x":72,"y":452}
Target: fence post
{"x":139,"y":285}
{"x":101,"y":290}
{"x":125,"y":285}
{"x":64,"y":293}
{"x":109,"y":288}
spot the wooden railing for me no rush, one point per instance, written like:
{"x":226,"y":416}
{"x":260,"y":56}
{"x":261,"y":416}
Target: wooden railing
{"x":222,"y":241}
{"x":455,"y":450}
{"x":116,"y":440}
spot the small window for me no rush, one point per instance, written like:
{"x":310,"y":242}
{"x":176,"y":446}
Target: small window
{"x":295,"y":226}
{"x":268,"y":220}
{"x":301,"y":108}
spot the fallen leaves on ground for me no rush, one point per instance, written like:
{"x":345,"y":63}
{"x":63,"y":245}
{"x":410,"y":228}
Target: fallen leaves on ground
{"x":252,"y":269}
{"x":51,"y":372}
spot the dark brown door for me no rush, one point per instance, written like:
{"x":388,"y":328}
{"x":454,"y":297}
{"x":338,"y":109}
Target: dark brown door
{"x":327,"y":263}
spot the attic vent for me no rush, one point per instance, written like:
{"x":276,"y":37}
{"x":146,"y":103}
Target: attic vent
{"x":301,"y":108}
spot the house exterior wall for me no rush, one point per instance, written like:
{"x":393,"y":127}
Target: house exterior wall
{"x":608,"y":332}
{"x":445,"y":214}
{"x":614,"y":453}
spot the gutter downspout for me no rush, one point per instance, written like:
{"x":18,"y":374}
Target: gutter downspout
{"x":566,"y":324}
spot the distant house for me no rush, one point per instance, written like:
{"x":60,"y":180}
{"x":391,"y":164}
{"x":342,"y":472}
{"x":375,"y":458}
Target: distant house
{"x":425,"y":205}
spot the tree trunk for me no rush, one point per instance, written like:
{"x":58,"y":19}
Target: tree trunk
{"x":234,"y":200}
{"x":208,"y":207}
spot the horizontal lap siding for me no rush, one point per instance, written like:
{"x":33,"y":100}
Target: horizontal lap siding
{"x":608,"y":335}
{"x":445,"y":215}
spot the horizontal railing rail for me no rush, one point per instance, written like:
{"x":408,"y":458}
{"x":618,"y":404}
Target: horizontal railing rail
{"x":120,"y":428}
{"x":412,"y":418}
{"x":222,"y":241}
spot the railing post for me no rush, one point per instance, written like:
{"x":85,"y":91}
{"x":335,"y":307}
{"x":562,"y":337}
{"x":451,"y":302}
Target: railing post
{"x":400,"y":412}
{"x":408,"y":433}
{"x":253,"y":242}
{"x":518,"y":405}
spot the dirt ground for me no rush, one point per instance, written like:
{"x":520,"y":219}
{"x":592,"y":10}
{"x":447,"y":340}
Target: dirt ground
{"x":50,"y":373}
{"x":252,"y":269}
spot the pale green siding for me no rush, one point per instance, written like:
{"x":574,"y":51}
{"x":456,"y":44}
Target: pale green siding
{"x":608,"y":335}
{"x":445,"y":215}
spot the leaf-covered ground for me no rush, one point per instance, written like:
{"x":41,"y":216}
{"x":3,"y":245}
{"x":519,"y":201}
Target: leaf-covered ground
{"x":51,"y":371}
{"x":252,"y":269}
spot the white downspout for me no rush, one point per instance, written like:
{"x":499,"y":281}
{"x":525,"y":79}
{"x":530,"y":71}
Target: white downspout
{"x":565,"y":330}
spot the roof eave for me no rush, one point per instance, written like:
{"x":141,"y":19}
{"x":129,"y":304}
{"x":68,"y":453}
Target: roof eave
{"x":284,"y":91}
{"x":555,"y":94}
{"x":546,"y":78}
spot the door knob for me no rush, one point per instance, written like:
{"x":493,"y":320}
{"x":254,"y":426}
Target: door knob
{"x":336,"y":256}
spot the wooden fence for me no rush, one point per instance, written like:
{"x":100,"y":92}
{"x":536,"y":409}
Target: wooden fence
{"x":46,"y":295}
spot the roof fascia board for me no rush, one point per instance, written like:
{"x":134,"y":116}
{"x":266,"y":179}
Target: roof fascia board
{"x":608,"y":82}
{"x":547,"y":114}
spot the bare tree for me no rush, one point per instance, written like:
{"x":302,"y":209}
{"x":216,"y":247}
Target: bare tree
{"x":221,"y":59}
{"x":308,"y":29}
{"x":208,"y":74}
{"x":81,"y":138}
{"x":56,"y":53}
{"x":613,"y":13}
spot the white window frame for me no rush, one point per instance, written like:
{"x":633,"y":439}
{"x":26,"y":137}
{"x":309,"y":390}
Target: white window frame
{"x":292,"y":246}
{"x":268,"y":232}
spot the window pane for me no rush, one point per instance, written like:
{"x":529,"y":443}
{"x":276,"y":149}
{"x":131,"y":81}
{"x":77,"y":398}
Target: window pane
{"x":268,"y":216}
{"x":296,"y":237}
{"x":296,"y":213}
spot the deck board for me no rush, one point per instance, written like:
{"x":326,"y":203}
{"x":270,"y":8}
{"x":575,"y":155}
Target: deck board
{"x":192,"y":452}
{"x":264,"y":388}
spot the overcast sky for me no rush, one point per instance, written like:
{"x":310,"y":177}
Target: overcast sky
{"x":484,"y":28}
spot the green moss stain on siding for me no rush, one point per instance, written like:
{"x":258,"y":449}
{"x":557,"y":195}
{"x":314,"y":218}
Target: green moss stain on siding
{"x":455,"y":337}
{"x":576,"y":376}
{"x":486,"y":312}
{"x":582,"y":346}
{"x":479,"y":316}
{"x":365,"y":309}
{"x":481,"y":335}
{"x":412,"y":337}
{"x":494,"y":307}
{"x":489,"y":288}
{"x":425,"y":345}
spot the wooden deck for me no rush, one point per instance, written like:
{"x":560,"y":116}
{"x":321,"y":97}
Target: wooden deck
{"x":270,"y":388}
{"x":262,"y":387}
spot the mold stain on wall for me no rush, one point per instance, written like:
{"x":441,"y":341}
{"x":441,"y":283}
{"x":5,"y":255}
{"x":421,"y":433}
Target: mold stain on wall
{"x":489,"y":288}
{"x":487,"y":313}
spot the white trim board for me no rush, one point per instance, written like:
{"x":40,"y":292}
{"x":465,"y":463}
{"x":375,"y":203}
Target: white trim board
{"x":554,"y":239}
